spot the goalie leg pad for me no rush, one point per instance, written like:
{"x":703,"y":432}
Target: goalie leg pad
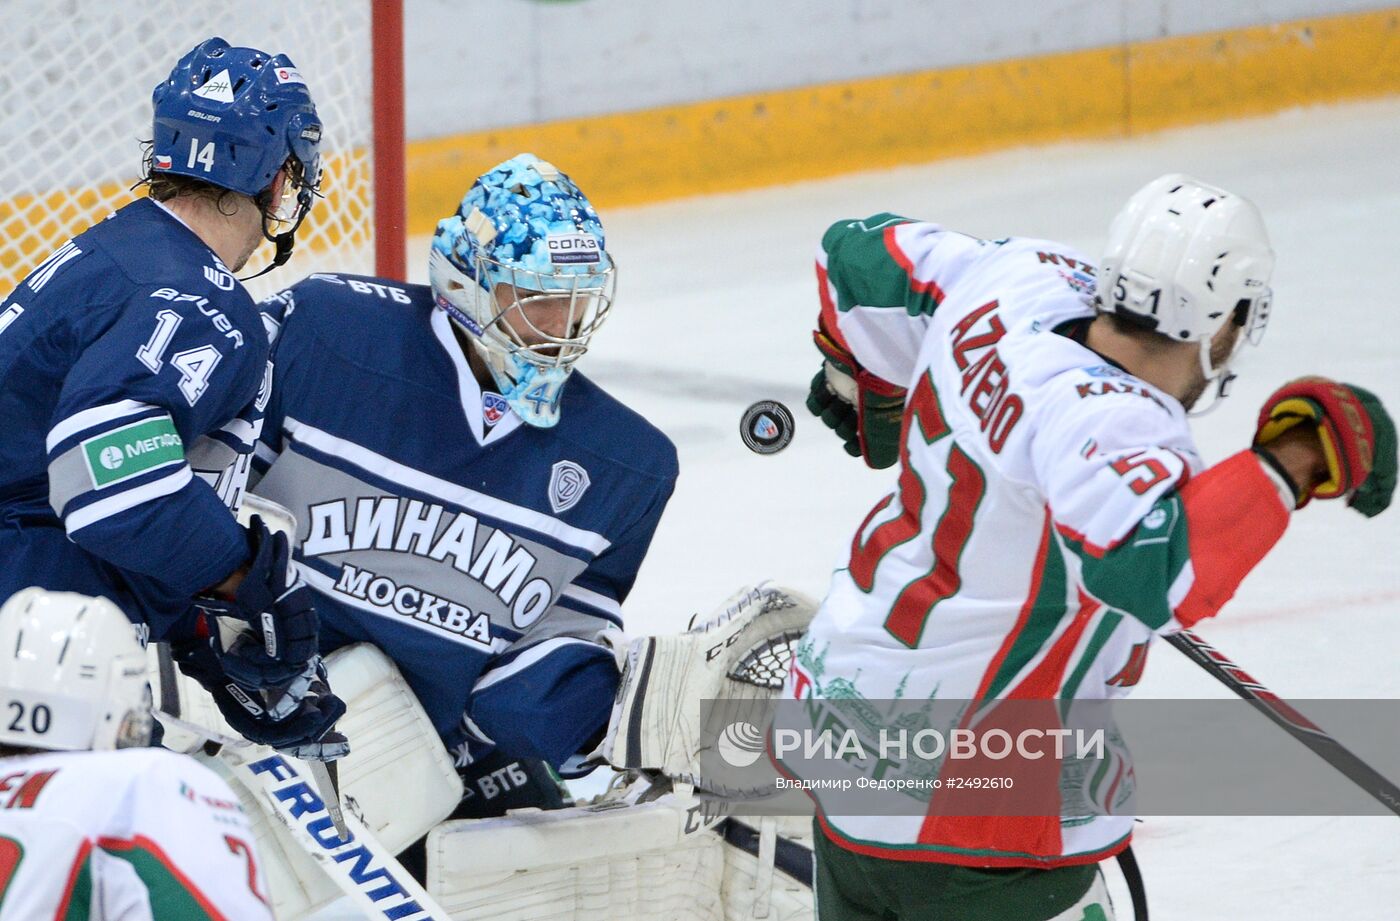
{"x":618,"y":859}
{"x":398,"y":777}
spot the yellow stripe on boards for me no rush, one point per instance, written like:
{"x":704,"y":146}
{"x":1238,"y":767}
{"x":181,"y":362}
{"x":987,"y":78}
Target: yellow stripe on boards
{"x":789,"y":135}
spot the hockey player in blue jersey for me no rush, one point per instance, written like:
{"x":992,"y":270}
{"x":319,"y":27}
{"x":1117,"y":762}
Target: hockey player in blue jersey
{"x":466,"y":500}
{"x":134,"y":371}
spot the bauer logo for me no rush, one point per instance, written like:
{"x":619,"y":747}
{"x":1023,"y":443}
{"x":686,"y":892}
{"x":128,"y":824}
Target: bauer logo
{"x":766,"y":427}
{"x":567,"y":484}
{"x":573,"y":248}
{"x":740,"y":744}
{"x":288,"y":75}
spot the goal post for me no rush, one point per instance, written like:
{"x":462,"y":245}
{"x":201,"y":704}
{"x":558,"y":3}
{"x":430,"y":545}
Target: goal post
{"x":390,"y":183}
{"x":75,"y":105}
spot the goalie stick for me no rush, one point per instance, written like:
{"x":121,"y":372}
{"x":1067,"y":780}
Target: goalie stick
{"x":348,"y":853}
{"x":1290,"y":720}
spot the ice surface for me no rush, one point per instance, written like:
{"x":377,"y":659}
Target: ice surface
{"x":716,"y":302}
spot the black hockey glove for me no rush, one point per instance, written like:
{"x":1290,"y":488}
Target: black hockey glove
{"x":296,"y":719}
{"x":277,"y":605}
{"x":865,"y":412}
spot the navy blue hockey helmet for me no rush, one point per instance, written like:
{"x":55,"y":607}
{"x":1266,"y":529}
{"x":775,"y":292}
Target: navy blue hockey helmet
{"x":233,"y":117}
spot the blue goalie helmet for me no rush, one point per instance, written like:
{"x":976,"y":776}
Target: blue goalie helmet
{"x":233,"y":117}
{"x":522,"y":267}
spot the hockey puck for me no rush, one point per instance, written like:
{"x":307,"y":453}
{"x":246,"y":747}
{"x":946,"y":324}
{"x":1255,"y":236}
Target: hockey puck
{"x":766,"y":427}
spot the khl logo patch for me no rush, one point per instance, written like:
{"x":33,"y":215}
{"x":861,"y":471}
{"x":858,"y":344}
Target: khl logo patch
{"x":493,"y":407}
{"x":567,"y":484}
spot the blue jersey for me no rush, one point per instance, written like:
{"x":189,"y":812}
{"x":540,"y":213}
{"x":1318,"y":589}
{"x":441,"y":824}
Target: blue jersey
{"x":484,"y":556}
{"x":133,"y":371}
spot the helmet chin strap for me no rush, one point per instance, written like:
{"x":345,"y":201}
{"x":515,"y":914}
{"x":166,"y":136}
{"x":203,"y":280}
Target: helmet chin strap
{"x":1222,"y":380}
{"x":283,"y":241}
{"x":1222,"y":390}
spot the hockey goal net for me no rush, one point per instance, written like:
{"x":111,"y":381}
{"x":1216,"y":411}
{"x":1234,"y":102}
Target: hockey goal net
{"x":75,"y":103}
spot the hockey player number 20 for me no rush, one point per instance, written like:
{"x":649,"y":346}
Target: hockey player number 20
{"x":195,"y":365}
{"x":967,"y":484}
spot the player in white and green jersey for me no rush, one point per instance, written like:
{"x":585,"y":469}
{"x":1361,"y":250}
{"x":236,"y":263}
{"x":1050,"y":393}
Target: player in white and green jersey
{"x":1052,"y":514}
{"x":93,"y":825}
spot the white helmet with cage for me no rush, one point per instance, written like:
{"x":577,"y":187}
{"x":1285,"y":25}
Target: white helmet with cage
{"x":72,"y":674}
{"x":524,"y":238}
{"x":1183,"y":259}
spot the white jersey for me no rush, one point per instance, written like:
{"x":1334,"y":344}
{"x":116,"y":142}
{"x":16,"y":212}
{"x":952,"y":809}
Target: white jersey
{"x":1036,"y":538}
{"x":132,"y":835}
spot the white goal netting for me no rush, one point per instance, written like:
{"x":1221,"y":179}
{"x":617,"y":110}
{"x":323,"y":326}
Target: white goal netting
{"x":75,"y":103}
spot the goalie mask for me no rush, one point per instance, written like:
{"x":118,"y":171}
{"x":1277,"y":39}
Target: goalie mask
{"x":73,"y":674}
{"x":522,"y":268}
{"x":1184,"y":259}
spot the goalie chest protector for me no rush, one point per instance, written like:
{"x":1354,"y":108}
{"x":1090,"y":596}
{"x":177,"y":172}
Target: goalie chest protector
{"x":431,"y":521}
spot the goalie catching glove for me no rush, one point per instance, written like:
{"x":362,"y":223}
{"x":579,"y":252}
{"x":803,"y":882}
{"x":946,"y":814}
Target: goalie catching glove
{"x":1357,"y":435}
{"x":865,"y":412}
{"x":742,"y":652}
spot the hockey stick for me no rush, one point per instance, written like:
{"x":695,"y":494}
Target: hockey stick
{"x":1290,"y":720}
{"x":359,"y":865}
{"x":353,"y":859}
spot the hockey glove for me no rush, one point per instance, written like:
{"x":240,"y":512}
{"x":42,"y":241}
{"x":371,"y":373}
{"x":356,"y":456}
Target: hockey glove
{"x":277,"y":604}
{"x":865,"y":412}
{"x":1357,"y":435}
{"x":297,"y":719}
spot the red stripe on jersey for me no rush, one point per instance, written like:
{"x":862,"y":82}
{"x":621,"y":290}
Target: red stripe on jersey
{"x":1037,"y":573}
{"x":829,"y":315}
{"x":923,"y":853}
{"x":73,"y":873}
{"x":142,"y":843}
{"x":1026,"y":833}
{"x":902,"y":259}
{"x":1044,"y":681}
{"x":1234,"y":516}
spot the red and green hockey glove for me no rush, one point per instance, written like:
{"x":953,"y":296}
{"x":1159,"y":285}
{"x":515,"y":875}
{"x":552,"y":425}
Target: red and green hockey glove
{"x":1357,"y":435}
{"x":864,"y":411}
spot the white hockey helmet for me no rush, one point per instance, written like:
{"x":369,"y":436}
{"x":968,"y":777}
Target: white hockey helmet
{"x":1185,"y":258}
{"x":72,"y":674}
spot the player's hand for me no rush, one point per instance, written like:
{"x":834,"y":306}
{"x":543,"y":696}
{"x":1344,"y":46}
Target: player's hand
{"x":297,"y":719}
{"x":277,"y":605}
{"x":865,"y":412}
{"x":1356,"y":434}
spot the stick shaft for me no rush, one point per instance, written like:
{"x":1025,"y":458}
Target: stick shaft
{"x":1285,"y":716}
